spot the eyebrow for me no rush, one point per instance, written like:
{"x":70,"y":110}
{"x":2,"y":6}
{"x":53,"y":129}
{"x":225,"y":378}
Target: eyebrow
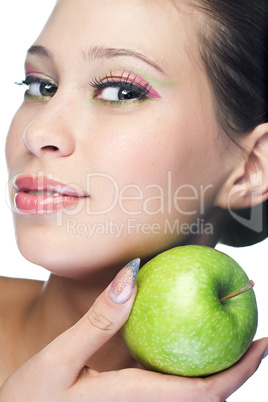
{"x":99,"y":52}
{"x":40,"y":51}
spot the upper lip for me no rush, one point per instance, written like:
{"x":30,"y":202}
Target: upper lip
{"x":29,"y":182}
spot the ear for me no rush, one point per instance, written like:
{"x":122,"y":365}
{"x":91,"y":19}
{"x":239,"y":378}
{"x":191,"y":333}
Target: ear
{"x":248,"y":183}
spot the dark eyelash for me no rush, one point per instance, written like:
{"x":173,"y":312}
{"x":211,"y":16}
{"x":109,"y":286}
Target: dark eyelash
{"x":124,"y":82}
{"x":31,"y":79}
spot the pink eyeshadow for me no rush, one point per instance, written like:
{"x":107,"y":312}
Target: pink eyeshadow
{"x":30,"y":69}
{"x":138,"y":80}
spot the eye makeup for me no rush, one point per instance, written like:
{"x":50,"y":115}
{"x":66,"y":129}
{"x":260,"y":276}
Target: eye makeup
{"x":39,"y":88}
{"x":155,"y":81}
{"x":127,"y":79}
{"x":31,"y":68}
{"x":115,"y":87}
{"x":122,"y":87}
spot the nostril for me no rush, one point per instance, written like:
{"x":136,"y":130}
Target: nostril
{"x":50,"y":148}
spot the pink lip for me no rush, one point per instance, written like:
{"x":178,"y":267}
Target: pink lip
{"x":32,"y":204}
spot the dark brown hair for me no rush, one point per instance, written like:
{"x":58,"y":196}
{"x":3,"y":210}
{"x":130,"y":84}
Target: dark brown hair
{"x":234,"y":48}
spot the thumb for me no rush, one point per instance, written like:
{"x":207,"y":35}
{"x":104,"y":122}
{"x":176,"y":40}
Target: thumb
{"x":228,"y":381}
{"x":71,"y":350}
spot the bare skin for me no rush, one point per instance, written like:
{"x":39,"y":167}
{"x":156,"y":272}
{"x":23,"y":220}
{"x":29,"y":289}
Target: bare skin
{"x":63,"y":373}
{"x":60,"y":339}
{"x":29,"y":325}
{"x":34,"y":313}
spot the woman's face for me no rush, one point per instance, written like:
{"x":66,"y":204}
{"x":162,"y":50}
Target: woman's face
{"x":116,"y":145}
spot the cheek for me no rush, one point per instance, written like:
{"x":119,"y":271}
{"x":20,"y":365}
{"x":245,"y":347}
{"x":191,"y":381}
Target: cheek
{"x":14,"y":141}
{"x":21,"y":120}
{"x":146,"y":150}
{"x":148,"y":171}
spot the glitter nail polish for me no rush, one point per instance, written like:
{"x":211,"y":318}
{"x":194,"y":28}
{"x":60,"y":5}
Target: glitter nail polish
{"x":122,"y":286}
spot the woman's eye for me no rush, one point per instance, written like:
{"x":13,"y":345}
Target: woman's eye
{"x":39,"y":87}
{"x":120,"y":90}
{"x":42,"y":89}
{"x":115,"y":94}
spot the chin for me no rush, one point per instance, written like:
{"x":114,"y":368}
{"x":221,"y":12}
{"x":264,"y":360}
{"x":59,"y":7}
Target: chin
{"x":68,"y":256}
{"x":47,"y":247}
{"x":75,"y":255}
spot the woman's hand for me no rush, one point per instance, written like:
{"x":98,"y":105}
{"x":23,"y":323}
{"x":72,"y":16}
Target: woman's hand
{"x":60,"y":373}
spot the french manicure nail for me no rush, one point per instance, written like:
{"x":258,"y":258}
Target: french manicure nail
{"x":122,"y":286}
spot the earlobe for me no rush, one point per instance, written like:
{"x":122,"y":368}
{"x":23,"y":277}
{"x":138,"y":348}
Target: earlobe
{"x":248,"y":183}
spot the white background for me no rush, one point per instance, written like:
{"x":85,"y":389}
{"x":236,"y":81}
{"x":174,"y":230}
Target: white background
{"x":20,"y":24}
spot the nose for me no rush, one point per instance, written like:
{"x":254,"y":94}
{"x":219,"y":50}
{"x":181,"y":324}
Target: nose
{"x":49,"y":134}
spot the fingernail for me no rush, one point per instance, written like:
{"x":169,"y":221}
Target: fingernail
{"x":265,"y":353}
{"x":122,"y":286}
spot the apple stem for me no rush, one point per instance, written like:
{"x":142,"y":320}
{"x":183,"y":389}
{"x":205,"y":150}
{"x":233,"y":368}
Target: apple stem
{"x":248,"y":286}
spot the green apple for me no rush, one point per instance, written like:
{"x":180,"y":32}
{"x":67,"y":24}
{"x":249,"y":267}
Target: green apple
{"x":182,"y":322}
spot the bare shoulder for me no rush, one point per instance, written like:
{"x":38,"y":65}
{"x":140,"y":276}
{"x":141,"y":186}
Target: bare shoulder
{"x":16,"y":290}
{"x":16,"y":296}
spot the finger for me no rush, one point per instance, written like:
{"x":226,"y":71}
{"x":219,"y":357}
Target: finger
{"x":70,"y":352}
{"x":143,"y":385}
{"x":228,"y":381}
{"x":216,"y":387}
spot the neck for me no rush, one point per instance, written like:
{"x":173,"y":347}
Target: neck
{"x":60,"y":304}
{"x":63,"y":301}
{"x":215,"y":221}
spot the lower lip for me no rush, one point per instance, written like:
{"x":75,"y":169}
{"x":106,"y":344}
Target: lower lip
{"x":34,"y":204}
